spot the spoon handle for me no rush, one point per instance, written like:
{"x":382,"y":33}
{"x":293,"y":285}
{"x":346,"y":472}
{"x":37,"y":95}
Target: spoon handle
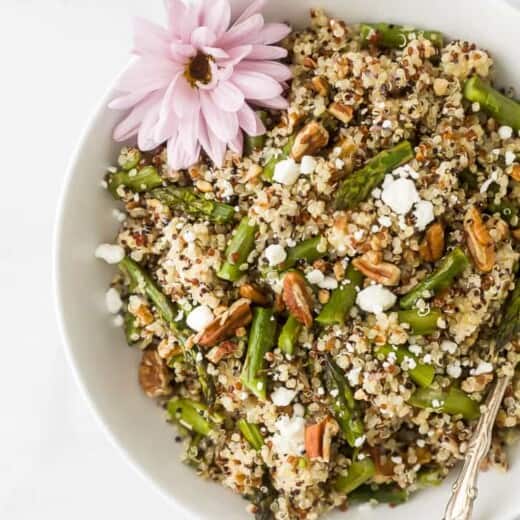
{"x":460,"y":505}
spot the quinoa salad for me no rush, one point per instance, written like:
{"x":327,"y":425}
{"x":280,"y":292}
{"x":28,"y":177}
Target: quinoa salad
{"x":322,"y":317}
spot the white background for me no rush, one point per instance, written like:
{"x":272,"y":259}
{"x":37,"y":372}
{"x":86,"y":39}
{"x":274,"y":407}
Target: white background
{"x":57,"y":57}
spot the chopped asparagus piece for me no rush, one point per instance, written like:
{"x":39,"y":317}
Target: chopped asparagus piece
{"x":129,"y":158}
{"x":309,"y":250}
{"x":386,"y":494}
{"x":146,"y":179}
{"x":452,"y":265}
{"x":289,"y":335}
{"x":505,"y":110}
{"x":132,"y":329}
{"x":429,"y":477}
{"x":261,"y":340}
{"x":251,"y":433}
{"x":452,"y":402}
{"x":359,"y":472}
{"x":509,"y":327}
{"x":421,"y":323}
{"x":391,"y":36}
{"x":193,"y":415}
{"x":357,"y":187}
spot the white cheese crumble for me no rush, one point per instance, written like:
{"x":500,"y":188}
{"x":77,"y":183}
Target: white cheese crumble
{"x":308,"y":165}
{"x":454,"y":370}
{"x":505,"y":132}
{"x":385,"y":221}
{"x":375,"y":299}
{"x":359,"y":441}
{"x":113,"y":301}
{"x":353,"y":376}
{"x":298,"y":410}
{"x":289,"y":438}
{"x":482,"y":368}
{"x":286,"y":172}
{"x":449,"y":346}
{"x":275,"y":254}
{"x":199,"y":318}
{"x":110,"y":253}
{"x":510,"y":157}
{"x":423,"y":214}
{"x":399,"y":194}
{"x":328,"y":282}
{"x":282,"y":396}
{"x":315,"y":277}
{"x":415,"y":349}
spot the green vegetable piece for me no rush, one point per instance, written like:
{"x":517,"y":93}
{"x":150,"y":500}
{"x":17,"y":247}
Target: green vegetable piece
{"x":386,"y":494}
{"x":391,"y":36}
{"x":452,"y":265}
{"x":452,"y":402}
{"x":359,"y":472}
{"x":257,"y":142}
{"x":270,"y":166}
{"x":239,"y":248}
{"x":194,"y":204}
{"x":289,"y":336}
{"x":421,"y":374}
{"x":505,"y":110}
{"x":129,"y":158}
{"x":429,"y":477}
{"x":509,"y":327}
{"x":132,"y":329}
{"x":261,"y":340}
{"x":146,"y":179}
{"x":195,"y":358}
{"x":357,"y":187}
{"x":341,"y":300}
{"x":193,"y":415}
{"x":421,"y":323}
{"x":309,"y":250}
{"x":251,"y":433}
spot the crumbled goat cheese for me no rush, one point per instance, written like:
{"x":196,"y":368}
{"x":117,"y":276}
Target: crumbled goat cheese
{"x":308,"y":165}
{"x":415,"y":349}
{"x":286,"y":172}
{"x":113,"y":301}
{"x":199,"y":318}
{"x":510,"y":157}
{"x":449,"y":346}
{"x":289,"y":438}
{"x":353,"y":376}
{"x":386,"y":124}
{"x":328,"y":282}
{"x":482,"y":368}
{"x":110,"y":253}
{"x":505,"y":132}
{"x":376,"y":299}
{"x":399,"y":195}
{"x":385,"y":221}
{"x":275,"y":254}
{"x":359,"y":441}
{"x":423,"y":214}
{"x":454,"y":370}
{"x":298,"y":410}
{"x":282,"y":396}
{"x":315,"y":277}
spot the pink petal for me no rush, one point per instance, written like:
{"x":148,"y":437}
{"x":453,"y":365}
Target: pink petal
{"x":150,"y":38}
{"x":227,"y":97}
{"x":189,"y":131}
{"x":214,"y":147}
{"x":176,"y":10}
{"x":224,"y":124}
{"x":147,"y":74}
{"x":182,"y":52}
{"x":167,"y":116}
{"x":255,"y":7}
{"x":255,"y":85}
{"x":189,"y":21}
{"x":250,"y":122}
{"x":267,"y":52}
{"x":186,"y":97}
{"x":242,"y":33}
{"x":216,"y":15}
{"x":272,"y":33}
{"x":202,"y":37}
{"x":215,"y":52}
{"x":145,"y":136}
{"x":275,"y":70}
{"x":237,"y":54}
{"x":237,"y":144}
{"x":127,"y":101}
{"x":276,"y":103}
{"x":178,"y":157}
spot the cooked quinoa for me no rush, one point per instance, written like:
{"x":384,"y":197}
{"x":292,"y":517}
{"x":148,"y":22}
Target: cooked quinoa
{"x":284,"y":443}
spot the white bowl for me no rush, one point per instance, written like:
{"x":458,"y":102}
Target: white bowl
{"x":106,"y":368}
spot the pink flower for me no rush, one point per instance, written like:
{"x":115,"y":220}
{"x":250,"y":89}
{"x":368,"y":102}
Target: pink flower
{"x":193,"y":83}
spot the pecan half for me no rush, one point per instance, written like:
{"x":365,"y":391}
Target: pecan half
{"x":297,"y":298}
{"x":480,"y":243}
{"x":372,"y":266}
{"x":515,"y":172}
{"x":154,"y":375}
{"x":254,"y":294}
{"x":344,"y":113}
{"x":224,"y":350}
{"x":310,"y":140}
{"x":225,"y":325}
{"x":318,"y":438}
{"x":320,"y":85}
{"x":432,"y":247}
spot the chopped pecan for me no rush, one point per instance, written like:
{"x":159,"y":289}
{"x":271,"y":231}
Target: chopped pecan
{"x":279,"y":304}
{"x":310,"y":140}
{"x":372,"y":266}
{"x":343,"y":112}
{"x":476,"y":383}
{"x":297,"y":298}
{"x":154,"y":375}
{"x":320,"y":85}
{"x":480,"y":243}
{"x":225,"y":325}
{"x":432,"y":247}
{"x":318,"y":438}
{"x":514,"y":172}
{"x":254,"y":294}
{"x":224,"y":350}
{"x":309,"y":63}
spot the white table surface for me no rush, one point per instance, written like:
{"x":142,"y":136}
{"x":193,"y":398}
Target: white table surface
{"x":57,"y":57}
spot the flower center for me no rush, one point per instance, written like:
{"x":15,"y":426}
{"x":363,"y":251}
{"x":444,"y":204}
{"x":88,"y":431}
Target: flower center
{"x":199,"y":69}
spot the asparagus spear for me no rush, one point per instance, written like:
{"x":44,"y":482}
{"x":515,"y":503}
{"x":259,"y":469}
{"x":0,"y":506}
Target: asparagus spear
{"x":344,"y":406}
{"x":251,"y":433}
{"x":452,"y":401}
{"x":509,"y":327}
{"x":358,"y":185}
{"x":129,"y":158}
{"x":505,"y":110}
{"x":359,"y":472}
{"x":391,"y":36}
{"x":187,"y":200}
{"x":261,"y":340}
{"x":132,"y":329}
{"x":341,"y":300}
{"x":429,"y":477}
{"x":192,"y":415}
{"x":146,"y":179}
{"x":422,"y":374}
{"x":453,"y":264}
{"x":238,"y":250}
{"x":192,"y":456}
{"x":195,"y":358}
{"x":309,"y":250}
{"x":386,"y":494}
{"x":421,"y":324}
{"x":289,"y":335}
{"x":271,"y":164}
